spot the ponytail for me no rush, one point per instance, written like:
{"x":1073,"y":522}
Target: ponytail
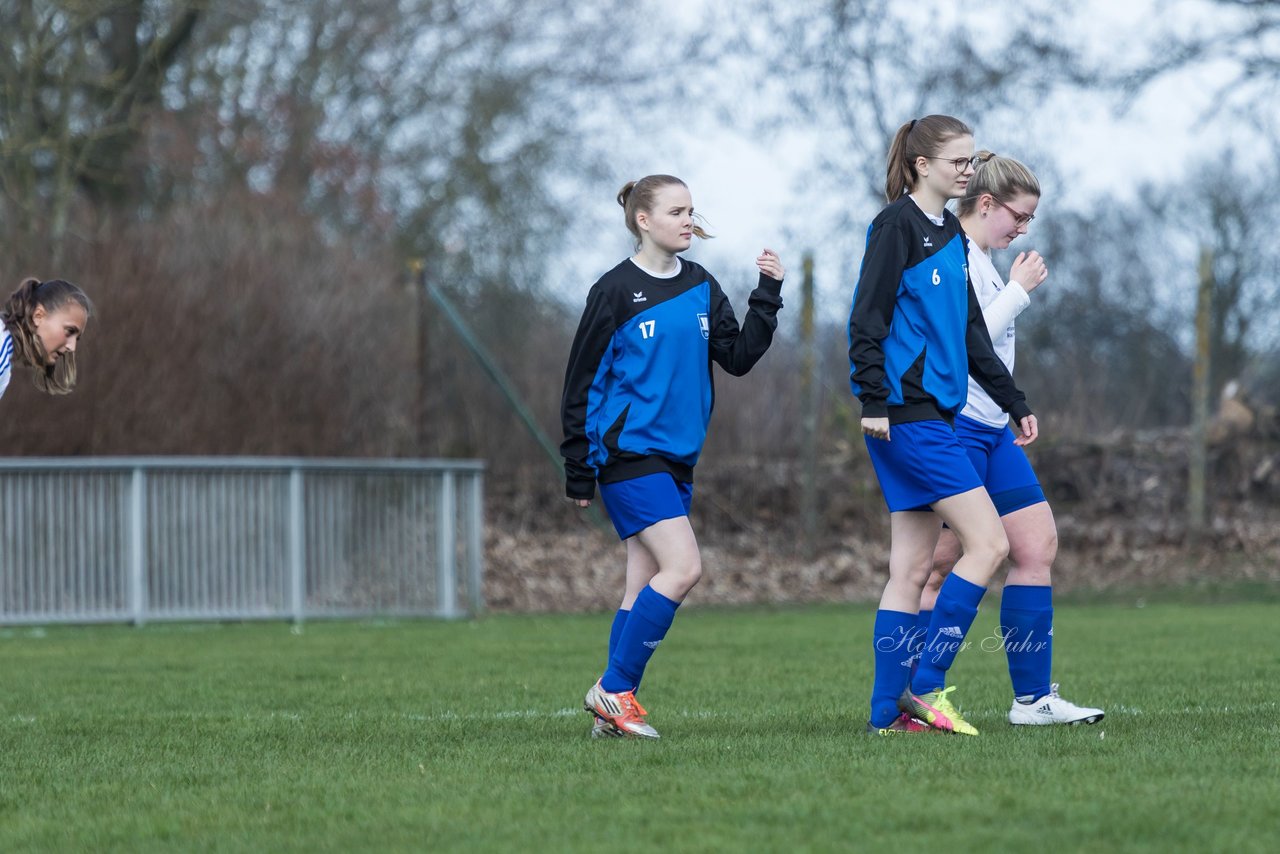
{"x":901,"y":171}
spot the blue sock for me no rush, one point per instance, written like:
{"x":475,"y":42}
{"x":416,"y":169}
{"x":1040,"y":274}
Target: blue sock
{"x":953,"y":614}
{"x":1026,"y":621}
{"x":651,"y":616}
{"x":615,"y":632}
{"x":917,"y":638}
{"x":891,"y":645}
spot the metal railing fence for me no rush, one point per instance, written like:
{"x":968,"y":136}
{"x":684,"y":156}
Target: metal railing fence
{"x":138,"y":539}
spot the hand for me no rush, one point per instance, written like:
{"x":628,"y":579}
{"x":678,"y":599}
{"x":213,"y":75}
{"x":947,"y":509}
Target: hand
{"x":770,"y":264}
{"x":581,"y":502}
{"x":1030,"y":431}
{"x":1028,"y":270}
{"x":876,"y":428}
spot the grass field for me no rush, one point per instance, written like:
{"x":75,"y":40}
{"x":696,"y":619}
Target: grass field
{"x":421,"y":736}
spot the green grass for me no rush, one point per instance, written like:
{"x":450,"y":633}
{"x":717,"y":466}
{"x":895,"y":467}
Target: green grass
{"x":442,"y":736}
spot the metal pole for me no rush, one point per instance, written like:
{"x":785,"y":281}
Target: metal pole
{"x":446,"y":549}
{"x":417,"y":267}
{"x":809,"y":416}
{"x":475,"y":544}
{"x":297,"y":547}
{"x":138,"y":546}
{"x":1197,"y":506}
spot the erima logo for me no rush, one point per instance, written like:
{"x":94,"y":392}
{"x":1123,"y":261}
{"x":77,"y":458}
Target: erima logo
{"x":704,"y":324}
{"x":640,"y":297}
{"x":951,"y":632}
{"x":928,"y":244}
{"x":652,"y":644}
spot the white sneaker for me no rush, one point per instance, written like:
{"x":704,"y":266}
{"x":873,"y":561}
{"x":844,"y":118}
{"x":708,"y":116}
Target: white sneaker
{"x":621,"y":710}
{"x":604,"y":729}
{"x":1052,"y":709}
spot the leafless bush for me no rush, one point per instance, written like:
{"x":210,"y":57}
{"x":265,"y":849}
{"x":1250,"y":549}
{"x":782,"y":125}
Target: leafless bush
{"x":229,"y":327}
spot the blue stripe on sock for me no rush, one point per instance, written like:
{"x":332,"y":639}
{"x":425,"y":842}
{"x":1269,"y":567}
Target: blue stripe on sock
{"x":1026,"y":623}
{"x":891,"y":646}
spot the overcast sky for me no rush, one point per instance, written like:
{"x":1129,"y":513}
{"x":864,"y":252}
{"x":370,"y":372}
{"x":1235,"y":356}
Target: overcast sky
{"x":752,"y":190}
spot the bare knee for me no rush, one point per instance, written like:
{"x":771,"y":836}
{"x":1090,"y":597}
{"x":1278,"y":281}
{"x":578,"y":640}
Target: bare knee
{"x":1033,"y":558}
{"x":910,"y":570}
{"x":934,"y":584}
{"x":693,"y":571}
{"x":989,"y":549}
{"x":683,"y":575}
{"x":929,"y":596}
{"x":1047,"y":549}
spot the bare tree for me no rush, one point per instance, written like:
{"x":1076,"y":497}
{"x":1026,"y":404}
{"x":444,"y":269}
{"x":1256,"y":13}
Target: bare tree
{"x":1096,"y":350}
{"x":858,"y":69}
{"x":76,"y":80}
{"x":1240,"y":37}
{"x":1231,"y":211}
{"x":374,"y":131}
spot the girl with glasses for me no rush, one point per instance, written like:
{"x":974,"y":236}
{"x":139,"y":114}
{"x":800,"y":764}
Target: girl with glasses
{"x":916,"y":333}
{"x":995,"y":210}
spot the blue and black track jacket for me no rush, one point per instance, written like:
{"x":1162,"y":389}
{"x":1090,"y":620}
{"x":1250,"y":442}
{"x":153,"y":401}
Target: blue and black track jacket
{"x":916,"y":331}
{"x":638,"y":391}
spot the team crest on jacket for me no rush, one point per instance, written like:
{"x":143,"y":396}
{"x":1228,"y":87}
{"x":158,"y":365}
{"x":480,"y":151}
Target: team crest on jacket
{"x":704,"y":324}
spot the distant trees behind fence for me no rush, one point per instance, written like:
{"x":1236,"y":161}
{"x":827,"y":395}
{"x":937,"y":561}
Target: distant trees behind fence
{"x":240,"y":186}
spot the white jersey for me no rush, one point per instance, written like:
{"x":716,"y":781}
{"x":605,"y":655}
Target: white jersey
{"x":1000,"y":303}
{"x":6,"y":358}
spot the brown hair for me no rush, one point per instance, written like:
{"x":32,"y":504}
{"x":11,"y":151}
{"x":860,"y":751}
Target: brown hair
{"x":60,"y":377}
{"x":917,"y":138}
{"x":636,"y":196}
{"x":1001,"y":177}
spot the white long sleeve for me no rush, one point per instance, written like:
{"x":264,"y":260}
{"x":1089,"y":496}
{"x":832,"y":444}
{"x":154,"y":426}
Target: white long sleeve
{"x":1001,"y":303}
{"x":1002,"y":310}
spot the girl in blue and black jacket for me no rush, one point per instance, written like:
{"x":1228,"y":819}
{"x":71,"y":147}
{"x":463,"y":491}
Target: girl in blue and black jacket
{"x":638,"y":395}
{"x":916,"y":333}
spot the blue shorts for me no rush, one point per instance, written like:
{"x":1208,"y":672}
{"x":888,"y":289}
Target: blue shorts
{"x":1003,"y":466}
{"x":637,"y":503}
{"x":922,"y":462}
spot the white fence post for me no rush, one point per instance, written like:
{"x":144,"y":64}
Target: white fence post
{"x":475,"y":543}
{"x":138,"y":546}
{"x":446,"y":548}
{"x":297,"y":546}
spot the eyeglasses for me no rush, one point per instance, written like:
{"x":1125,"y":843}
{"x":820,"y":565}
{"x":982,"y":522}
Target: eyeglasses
{"x":961,"y":163}
{"x":1019,"y":218}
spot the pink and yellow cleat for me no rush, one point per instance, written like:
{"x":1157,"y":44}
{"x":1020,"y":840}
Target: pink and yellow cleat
{"x":936,"y":710}
{"x":904,"y":723}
